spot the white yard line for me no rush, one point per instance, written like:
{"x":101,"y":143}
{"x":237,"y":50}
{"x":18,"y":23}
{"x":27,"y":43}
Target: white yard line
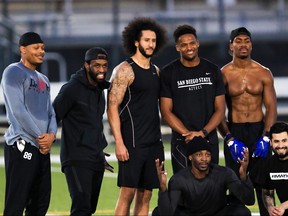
{"x":56,"y":158}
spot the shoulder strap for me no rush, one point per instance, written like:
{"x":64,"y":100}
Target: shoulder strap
{"x":129,"y":60}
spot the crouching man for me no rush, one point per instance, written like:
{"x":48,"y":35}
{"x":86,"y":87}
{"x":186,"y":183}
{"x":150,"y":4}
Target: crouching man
{"x":200,"y":189}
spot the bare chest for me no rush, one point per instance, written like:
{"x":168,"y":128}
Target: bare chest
{"x":245,"y":84}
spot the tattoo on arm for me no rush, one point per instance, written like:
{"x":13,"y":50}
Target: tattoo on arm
{"x":123,"y":77}
{"x":268,"y":197}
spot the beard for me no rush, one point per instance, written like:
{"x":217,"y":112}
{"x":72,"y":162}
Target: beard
{"x":243,"y":57}
{"x":189,"y":59}
{"x":93,"y":76}
{"x":142,"y":51}
{"x":281,"y":155}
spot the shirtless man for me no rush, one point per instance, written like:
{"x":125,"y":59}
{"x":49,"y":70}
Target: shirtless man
{"x":249,"y":85}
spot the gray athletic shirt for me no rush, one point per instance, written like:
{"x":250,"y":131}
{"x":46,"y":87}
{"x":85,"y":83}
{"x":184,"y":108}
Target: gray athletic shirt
{"x":28,"y":104}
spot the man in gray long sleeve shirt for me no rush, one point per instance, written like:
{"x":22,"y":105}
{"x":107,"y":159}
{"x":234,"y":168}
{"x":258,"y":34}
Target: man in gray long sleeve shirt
{"x":200,"y":189}
{"x":31,"y":132}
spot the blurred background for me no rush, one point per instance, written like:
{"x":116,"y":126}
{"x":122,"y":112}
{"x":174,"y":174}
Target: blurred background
{"x":70,"y":27}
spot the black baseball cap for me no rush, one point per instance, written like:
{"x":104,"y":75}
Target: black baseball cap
{"x":93,"y":54}
{"x":198,"y":143}
{"x":30,"y":38}
{"x":239,"y":31}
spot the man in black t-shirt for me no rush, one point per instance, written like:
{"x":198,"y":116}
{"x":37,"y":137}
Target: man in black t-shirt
{"x":200,"y":189}
{"x":192,"y":97}
{"x":276,"y":172}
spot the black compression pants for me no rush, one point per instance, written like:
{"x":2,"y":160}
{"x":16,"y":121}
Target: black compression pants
{"x":84,"y":185}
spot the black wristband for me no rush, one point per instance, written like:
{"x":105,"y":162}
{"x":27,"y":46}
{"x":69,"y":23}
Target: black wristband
{"x":267,"y":133}
{"x":227,"y":137}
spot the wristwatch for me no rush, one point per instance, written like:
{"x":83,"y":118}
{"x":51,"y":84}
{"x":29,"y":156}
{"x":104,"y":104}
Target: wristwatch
{"x":205,"y":132}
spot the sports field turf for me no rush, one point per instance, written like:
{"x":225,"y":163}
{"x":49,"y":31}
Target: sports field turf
{"x":60,"y":200}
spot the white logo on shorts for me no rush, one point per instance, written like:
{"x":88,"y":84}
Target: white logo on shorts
{"x":27,"y":155}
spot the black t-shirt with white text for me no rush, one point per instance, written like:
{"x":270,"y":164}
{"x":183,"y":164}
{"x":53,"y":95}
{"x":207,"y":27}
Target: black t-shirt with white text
{"x":193,"y":91}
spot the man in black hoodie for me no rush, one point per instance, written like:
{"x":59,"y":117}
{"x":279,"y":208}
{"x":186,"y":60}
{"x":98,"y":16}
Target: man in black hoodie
{"x":80,"y":106}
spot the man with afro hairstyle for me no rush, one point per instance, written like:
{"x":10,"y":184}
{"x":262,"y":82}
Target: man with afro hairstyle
{"x":133,"y":114}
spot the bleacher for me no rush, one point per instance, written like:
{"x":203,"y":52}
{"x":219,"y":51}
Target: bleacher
{"x":69,"y":27}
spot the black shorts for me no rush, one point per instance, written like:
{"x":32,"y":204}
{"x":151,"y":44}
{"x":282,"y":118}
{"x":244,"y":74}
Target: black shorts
{"x":248,"y":133}
{"x":140,"y":170}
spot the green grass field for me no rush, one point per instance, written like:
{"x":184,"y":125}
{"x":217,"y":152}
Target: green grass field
{"x":60,"y":199}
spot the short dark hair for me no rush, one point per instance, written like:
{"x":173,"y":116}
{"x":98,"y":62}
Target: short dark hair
{"x":278,"y":127}
{"x":184,"y":29}
{"x":133,"y":32}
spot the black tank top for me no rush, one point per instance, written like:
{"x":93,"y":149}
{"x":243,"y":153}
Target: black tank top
{"x":139,"y":114}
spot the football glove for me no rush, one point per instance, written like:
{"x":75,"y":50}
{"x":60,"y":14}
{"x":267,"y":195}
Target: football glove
{"x":262,"y":147}
{"x":236,"y":148}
